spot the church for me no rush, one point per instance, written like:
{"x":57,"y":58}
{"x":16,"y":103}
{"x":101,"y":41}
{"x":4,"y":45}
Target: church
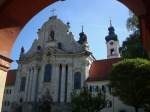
{"x":58,"y":64}
{"x":55,"y":63}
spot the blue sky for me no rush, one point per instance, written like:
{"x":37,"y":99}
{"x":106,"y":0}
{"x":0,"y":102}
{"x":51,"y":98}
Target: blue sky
{"x":93,"y":14}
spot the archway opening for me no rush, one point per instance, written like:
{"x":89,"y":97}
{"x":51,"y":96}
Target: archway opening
{"x":95,"y":20}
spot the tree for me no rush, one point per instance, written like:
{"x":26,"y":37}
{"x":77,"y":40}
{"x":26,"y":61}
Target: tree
{"x":133,"y":23}
{"x":45,"y":103}
{"x":132,"y":47}
{"x":130,"y":81}
{"x":15,"y":107}
{"x":84,"y":101}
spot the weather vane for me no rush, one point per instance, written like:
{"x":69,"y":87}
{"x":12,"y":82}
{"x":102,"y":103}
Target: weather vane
{"x":53,"y":12}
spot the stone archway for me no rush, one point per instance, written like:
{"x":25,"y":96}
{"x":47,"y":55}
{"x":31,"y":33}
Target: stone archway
{"x":14,"y":14}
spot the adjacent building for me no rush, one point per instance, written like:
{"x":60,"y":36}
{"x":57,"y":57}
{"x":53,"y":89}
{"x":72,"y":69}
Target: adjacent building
{"x":99,"y":71}
{"x":8,"y":97}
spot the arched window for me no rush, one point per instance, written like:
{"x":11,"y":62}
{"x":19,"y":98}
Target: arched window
{"x":23,"y":84}
{"x":112,"y":51}
{"x":52,"y":34}
{"x":48,"y":73}
{"x":96,"y":89}
{"x":59,"y":45}
{"x":90,"y":88}
{"x":77,"y":80}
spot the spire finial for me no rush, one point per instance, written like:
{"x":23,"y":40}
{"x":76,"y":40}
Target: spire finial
{"x":22,"y":50}
{"x":82,"y":28}
{"x":110,"y":22}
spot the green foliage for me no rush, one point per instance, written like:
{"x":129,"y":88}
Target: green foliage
{"x":130,"y":81}
{"x":45,"y":103}
{"x":84,"y":101}
{"x":132,"y":47}
{"x":133,"y":23}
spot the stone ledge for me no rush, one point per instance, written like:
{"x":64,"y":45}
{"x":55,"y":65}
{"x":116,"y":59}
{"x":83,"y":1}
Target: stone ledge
{"x":5,"y":63}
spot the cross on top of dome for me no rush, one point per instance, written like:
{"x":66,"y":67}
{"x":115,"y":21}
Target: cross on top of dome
{"x":53,"y":12}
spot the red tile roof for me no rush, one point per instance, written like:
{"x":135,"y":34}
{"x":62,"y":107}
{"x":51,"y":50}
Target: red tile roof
{"x":11,"y":77}
{"x":100,"y":68}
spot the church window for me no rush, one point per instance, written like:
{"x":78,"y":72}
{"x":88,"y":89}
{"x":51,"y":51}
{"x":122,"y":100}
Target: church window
{"x":23,"y":82}
{"x":48,"y":73}
{"x":10,"y":91}
{"x":77,"y":80}
{"x":103,"y":89}
{"x":59,"y":45}
{"x":7,"y":91}
{"x":8,"y":103}
{"x":111,"y":43}
{"x":38,"y":47}
{"x":110,"y":104}
{"x":90,"y":88}
{"x":52,"y":35}
{"x":5,"y":103}
{"x":112,"y":51}
{"x":109,"y":89}
{"x":21,"y":100}
{"x":96,"y":88}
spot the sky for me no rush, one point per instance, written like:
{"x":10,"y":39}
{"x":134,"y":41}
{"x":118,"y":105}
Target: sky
{"x":94,"y":15}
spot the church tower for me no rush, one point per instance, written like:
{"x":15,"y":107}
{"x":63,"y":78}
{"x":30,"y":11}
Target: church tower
{"x":112,"y":43}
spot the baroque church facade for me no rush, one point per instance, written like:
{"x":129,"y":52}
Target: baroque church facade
{"x":55,"y":63}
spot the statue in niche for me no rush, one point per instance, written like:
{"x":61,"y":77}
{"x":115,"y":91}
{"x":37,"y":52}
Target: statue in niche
{"x":52,"y":35}
{"x":22,"y":50}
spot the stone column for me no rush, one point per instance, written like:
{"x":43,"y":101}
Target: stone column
{"x":17,"y":85}
{"x":55,"y":82}
{"x":59,"y":82}
{"x":63,"y":84}
{"x":27,"y":86}
{"x":70,"y":83}
{"x":32,"y":79}
{"x":30,"y":85}
{"x":33,"y":86}
{"x":37,"y":84}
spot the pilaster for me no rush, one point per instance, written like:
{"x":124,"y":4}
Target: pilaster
{"x":34,"y":80}
{"x":63,"y":84}
{"x":70,"y":83}
{"x":27,"y":85}
{"x":55,"y":82}
{"x":30,"y":85}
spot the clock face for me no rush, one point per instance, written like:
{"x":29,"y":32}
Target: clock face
{"x":111,"y":43}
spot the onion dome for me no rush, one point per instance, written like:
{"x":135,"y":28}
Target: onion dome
{"x":111,"y":35}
